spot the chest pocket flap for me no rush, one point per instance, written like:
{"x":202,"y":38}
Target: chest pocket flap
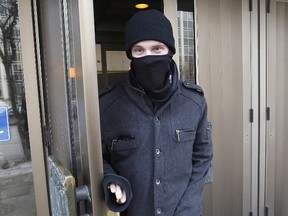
{"x":183,"y":135}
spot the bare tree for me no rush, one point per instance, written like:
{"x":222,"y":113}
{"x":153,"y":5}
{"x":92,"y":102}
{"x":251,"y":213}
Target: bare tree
{"x":10,"y":42}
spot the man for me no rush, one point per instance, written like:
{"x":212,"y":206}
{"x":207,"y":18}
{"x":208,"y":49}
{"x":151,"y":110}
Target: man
{"x":156,"y":139}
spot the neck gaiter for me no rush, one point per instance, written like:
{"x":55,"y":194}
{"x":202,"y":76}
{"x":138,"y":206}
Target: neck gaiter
{"x":153,"y":74}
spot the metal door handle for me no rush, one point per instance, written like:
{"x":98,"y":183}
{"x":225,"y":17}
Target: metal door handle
{"x":83,"y":193}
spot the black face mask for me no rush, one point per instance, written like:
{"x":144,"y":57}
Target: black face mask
{"x":153,"y":74}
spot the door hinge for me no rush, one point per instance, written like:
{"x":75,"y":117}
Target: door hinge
{"x":268,"y":113}
{"x":251,"y":115}
{"x":47,"y":136}
{"x":266,"y":211}
{"x":267,"y":6}
{"x":250,"y":5}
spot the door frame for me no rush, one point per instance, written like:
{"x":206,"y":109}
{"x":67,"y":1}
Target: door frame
{"x":262,"y":106}
{"x":90,"y":86}
{"x":33,"y":107}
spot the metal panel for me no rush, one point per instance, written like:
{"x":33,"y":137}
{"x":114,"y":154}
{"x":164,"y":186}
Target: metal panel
{"x":62,"y":189}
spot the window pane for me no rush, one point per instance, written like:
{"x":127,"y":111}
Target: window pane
{"x":186,"y":40}
{"x":16,"y":178}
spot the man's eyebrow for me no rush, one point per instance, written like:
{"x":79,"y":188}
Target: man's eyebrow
{"x":137,"y":46}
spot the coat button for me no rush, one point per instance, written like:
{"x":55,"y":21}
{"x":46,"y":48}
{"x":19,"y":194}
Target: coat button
{"x":159,"y":211}
{"x":157,"y":181}
{"x":156,"y":119}
{"x":157,"y":151}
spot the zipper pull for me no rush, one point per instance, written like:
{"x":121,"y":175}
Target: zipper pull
{"x":113,"y":142}
{"x":178,"y":134}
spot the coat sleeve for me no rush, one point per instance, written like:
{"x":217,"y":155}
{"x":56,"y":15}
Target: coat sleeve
{"x":191,"y":201}
{"x":110,"y":176}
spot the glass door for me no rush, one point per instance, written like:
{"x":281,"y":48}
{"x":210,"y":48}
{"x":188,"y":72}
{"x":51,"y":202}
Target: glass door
{"x":69,"y":98}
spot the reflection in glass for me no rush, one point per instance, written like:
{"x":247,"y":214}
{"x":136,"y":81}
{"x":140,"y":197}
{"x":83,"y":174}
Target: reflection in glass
{"x":16,"y":181}
{"x":186,"y":40}
{"x":70,"y":73}
{"x":186,"y":45}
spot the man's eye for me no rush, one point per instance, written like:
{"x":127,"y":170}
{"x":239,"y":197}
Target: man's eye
{"x":137,"y":50}
{"x":158,"y":49}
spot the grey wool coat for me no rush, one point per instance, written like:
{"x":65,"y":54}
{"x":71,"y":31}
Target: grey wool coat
{"x":160,"y":158}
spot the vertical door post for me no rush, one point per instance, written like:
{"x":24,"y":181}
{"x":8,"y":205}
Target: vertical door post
{"x":87,"y":35}
{"x":33,"y":107}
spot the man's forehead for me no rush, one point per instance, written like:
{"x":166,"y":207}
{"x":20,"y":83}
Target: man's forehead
{"x":148,"y":43}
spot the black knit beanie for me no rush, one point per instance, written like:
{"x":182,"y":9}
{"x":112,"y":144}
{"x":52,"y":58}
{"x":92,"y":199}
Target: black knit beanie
{"x":148,"y":25}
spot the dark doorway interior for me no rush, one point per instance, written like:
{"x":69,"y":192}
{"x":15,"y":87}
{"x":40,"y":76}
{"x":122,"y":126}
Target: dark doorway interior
{"x":112,"y":15}
{"x":110,"y":19}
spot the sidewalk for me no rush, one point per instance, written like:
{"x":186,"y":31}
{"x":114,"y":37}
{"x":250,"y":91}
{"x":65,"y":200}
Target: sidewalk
{"x":18,"y":206}
{"x":17,"y":191}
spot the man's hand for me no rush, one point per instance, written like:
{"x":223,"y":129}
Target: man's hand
{"x":119,"y":193}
